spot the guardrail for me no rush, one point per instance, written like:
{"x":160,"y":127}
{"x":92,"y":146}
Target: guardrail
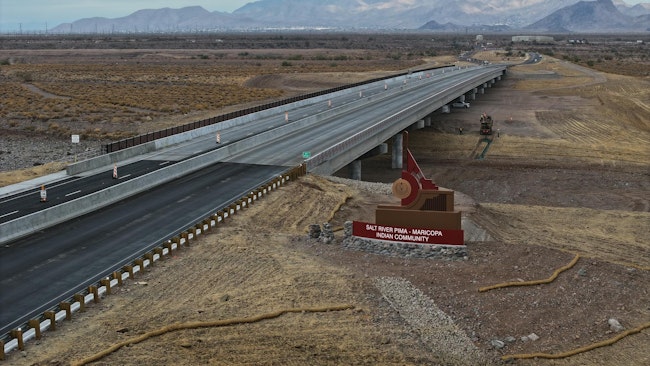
{"x":152,"y":136}
{"x":77,"y":303}
{"x":155,"y":141}
{"x":382,"y":126}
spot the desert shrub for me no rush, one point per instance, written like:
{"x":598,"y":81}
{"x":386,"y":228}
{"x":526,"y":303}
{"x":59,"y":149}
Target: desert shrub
{"x":53,"y":126}
{"x":25,"y":76}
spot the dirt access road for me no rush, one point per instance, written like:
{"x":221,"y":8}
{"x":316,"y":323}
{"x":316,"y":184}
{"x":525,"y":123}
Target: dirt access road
{"x":567,"y":175}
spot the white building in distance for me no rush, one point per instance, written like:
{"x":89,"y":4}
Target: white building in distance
{"x":532,"y":39}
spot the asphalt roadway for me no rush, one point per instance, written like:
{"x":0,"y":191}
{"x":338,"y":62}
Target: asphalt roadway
{"x":39,"y":271}
{"x":24,"y":203}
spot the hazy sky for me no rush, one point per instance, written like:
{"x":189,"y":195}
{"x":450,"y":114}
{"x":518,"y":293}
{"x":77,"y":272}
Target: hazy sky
{"x":36,"y":15}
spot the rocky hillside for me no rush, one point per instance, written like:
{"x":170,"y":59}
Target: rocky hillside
{"x":475,"y":15}
{"x":590,"y":16}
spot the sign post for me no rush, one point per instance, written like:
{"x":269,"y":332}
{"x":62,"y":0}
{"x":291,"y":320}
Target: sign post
{"x":75,"y":141}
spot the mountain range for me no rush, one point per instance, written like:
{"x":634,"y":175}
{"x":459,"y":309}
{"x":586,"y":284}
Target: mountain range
{"x":553,"y":16}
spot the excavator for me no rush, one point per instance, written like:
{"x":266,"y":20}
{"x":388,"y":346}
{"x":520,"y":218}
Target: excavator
{"x":486,"y":124}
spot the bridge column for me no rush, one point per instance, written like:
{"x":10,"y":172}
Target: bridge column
{"x":355,"y":170}
{"x":472,"y":95}
{"x":417,"y":125}
{"x":499,"y":78}
{"x":397,"y":154}
{"x":427,"y":121}
{"x":461,"y":98}
{"x":380,"y":149}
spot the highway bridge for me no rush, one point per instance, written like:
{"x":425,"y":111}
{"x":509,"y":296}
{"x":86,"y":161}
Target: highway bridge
{"x":94,"y":224}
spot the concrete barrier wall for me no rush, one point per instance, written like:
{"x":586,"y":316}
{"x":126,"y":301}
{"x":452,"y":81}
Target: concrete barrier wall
{"x":124,"y":154}
{"x":108,"y":159}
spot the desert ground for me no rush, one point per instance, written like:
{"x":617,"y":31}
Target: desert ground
{"x":567,"y":175}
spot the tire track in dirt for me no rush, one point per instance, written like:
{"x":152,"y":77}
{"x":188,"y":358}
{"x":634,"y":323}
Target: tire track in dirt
{"x":613,"y":236}
{"x":34,"y":89}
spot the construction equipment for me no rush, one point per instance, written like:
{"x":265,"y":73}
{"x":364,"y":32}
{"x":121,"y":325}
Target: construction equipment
{"x":486,"y":124}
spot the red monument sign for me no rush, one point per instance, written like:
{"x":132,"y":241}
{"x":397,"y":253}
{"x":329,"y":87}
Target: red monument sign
{"x":426,"y":214}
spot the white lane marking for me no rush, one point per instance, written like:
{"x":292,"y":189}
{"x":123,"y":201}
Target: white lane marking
{"x":72,"y":193}
{"x":8,"y":214}
{"x":125,"y":176}
{"x":164,"y":163}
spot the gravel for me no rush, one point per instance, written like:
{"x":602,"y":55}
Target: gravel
{"x":436,"y":329}
{"x":371,"y":187}
{"x":21,"y":151}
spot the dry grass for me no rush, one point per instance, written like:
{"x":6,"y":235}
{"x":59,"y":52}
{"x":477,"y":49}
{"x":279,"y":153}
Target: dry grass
{"x":613,"y":236}
{"x":17,"y":176}
{"x":111,"y":100}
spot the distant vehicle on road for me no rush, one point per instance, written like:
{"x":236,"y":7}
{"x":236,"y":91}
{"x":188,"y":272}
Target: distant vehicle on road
{"x":460,"y":105}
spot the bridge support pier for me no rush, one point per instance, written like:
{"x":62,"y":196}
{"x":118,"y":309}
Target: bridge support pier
{"x":427,"y":121}
{"x":355,"y":169}
{"x":380,"y":149}
{"x":461,"y":98}
{"x":397,"y":154}
{"x":417,"y":125}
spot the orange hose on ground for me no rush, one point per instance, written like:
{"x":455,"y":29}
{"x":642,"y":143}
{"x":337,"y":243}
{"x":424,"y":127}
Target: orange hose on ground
{"x":195,"y":325}
{"x":534,"y":282}
{"x":572,"y":352}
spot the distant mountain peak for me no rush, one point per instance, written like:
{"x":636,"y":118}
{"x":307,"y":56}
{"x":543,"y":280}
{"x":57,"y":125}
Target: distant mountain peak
{"x":585,"y":16}
{"x":439,"y":15}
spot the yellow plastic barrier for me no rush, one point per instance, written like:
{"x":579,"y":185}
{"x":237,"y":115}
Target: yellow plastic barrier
{"x":534,"y":282}
{"x":210,"y":324}
{"x":572,"y":352}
